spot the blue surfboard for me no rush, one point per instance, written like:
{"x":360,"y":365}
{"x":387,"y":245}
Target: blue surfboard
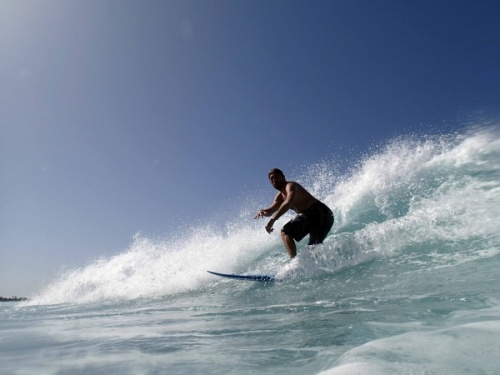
{"x":244,"y":277}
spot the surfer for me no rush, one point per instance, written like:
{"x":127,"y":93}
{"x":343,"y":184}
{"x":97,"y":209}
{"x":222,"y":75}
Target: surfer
{"x":314,"y":217}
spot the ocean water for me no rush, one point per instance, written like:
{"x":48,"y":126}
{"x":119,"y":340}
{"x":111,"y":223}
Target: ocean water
{"x":407,"y":282}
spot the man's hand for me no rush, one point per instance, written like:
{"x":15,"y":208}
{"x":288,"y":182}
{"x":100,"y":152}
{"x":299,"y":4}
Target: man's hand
{"x":261,"y":213}
{"x":269,"y":226}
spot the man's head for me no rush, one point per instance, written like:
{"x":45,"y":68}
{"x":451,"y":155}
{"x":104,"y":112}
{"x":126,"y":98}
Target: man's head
{"x":277,"y":178}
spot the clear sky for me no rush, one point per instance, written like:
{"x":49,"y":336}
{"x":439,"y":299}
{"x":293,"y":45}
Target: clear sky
{"x":122,"y":116}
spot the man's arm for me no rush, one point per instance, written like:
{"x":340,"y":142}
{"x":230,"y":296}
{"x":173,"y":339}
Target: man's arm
{"x":278,"y":200}
{"x":285,"y":205}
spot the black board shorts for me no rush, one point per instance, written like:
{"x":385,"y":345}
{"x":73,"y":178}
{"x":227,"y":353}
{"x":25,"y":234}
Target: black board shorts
{"x":316,"y":221}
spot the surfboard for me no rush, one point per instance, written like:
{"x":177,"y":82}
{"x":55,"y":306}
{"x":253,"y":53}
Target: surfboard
{"x":244,"y":277}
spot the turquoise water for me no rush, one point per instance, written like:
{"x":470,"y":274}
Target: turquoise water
{"x":407,"y":282}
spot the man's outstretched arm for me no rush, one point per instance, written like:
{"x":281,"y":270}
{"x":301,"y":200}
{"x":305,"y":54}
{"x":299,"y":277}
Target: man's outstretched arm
{"x":283,"y":207}
{"x":265,"y":212}
{"x":287,"y":203}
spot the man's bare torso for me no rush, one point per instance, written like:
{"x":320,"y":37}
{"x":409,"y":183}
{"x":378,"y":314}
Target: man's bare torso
{"x":302,"y":198}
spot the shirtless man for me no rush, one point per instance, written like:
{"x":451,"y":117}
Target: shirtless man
{"x":313,"y":218}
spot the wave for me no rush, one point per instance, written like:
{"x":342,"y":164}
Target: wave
{"x":434,"y":196}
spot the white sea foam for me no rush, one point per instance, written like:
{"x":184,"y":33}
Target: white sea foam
{"x":437,"y":195}
{"x":153,"y":268}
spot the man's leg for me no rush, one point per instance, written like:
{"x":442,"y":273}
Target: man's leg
{"x":289,"y":244}
{"x":320,"y":230}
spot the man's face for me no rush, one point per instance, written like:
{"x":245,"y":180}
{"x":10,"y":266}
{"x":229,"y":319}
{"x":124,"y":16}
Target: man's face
{"x":277,"y":180}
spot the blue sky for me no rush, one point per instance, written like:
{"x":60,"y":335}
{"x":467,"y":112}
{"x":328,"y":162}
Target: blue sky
{"x":125,"y":116}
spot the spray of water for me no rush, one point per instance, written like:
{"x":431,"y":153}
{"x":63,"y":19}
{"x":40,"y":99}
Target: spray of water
{"x":436,"y":195}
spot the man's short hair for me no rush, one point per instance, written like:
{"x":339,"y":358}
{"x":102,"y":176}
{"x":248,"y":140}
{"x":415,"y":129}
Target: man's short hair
{"x":275,"y":170}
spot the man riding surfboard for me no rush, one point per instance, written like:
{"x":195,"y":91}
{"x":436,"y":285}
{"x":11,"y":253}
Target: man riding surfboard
{"x":314,"y":217}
